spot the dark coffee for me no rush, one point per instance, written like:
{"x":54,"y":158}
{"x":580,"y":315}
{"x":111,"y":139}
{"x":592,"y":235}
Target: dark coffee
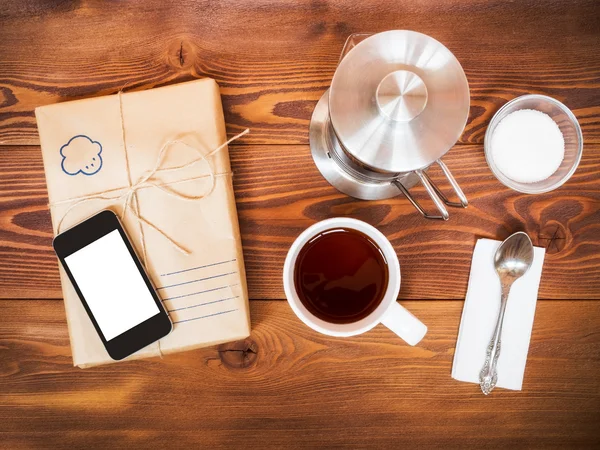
{"x":341,"y":275}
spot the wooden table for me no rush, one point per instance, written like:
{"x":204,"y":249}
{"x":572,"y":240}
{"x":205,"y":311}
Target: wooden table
{"x":286,"y":386}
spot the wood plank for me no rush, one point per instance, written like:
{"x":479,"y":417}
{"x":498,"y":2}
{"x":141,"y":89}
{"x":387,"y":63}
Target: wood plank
{"x":287,"y":386}
{"x":276,"y":202}
{"x":274,"y":59}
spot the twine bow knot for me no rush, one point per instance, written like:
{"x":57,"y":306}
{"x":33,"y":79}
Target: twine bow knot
{"x":128,"y":196}
{"x":146,"y":181}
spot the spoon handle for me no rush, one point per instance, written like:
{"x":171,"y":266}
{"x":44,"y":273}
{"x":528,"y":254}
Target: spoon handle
{"x":489,"y":375}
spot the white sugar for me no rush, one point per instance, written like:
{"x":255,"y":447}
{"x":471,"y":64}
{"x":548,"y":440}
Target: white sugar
{"x":527,"y":146}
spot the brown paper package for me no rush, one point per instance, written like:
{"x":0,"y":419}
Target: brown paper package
{"x":205,"y":291}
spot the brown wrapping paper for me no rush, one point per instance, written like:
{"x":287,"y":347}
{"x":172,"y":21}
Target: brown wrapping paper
{"x":84,"y":145}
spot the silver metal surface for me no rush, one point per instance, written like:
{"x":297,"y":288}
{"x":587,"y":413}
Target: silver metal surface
{"x":398,"y":101}
{"x":463,"y":202}
{"x":512,"y":260}
{"x":337,"y":169}
{"x":401,"y":96}
{"x":347,"y":176}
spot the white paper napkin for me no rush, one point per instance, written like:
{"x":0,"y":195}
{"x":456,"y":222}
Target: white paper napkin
{"x":480,"y":312}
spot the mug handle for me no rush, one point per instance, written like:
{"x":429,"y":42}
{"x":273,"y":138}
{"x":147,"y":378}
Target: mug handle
{"x":402,"y":322}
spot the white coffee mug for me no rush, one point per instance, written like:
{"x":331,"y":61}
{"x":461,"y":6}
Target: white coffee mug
{"x":389,"y":312}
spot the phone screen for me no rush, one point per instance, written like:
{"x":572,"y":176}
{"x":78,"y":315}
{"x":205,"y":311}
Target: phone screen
{"x":112,"y":285}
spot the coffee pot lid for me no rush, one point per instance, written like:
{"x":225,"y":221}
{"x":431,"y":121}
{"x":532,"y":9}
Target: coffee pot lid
{"x":398,"y":101}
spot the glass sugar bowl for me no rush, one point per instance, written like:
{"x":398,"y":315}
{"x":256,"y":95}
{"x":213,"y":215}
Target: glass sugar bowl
{"x":567,"y":124}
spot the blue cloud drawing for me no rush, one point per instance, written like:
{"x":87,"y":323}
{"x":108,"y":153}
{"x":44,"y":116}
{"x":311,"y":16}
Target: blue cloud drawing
{"x":81,"y":155}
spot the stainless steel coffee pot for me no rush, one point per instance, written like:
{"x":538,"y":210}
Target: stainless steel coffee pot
{"x":398,"y":101}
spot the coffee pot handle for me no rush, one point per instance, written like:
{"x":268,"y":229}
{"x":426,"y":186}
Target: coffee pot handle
{"x":438,"y":197}
{"x":353,"y":40}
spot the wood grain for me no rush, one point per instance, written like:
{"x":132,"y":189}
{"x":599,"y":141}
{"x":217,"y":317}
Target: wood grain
{"x":299,"y":388}
{"x":276,"y":201}
{"x":286,"y":386}
{"x":273,"y":59}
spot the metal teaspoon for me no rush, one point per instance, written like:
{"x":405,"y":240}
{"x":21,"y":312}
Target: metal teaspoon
{"x":512,"y":260}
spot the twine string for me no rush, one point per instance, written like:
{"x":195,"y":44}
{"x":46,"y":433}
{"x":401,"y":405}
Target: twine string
{"x":128,"y":196}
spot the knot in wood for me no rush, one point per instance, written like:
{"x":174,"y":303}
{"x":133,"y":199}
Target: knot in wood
{"x":181,"y":54}
{"x":552,"y":236}
{"x":239,"y":354}
{"x":7,"y":98}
